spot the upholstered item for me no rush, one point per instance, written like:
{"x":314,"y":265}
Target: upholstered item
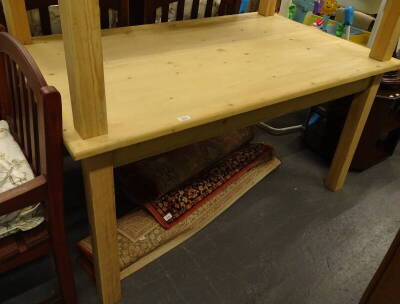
{"x":14,"y":171}
{"x":145,"y":180}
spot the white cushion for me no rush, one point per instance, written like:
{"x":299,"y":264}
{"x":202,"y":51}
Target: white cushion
{"x":14,"y":171}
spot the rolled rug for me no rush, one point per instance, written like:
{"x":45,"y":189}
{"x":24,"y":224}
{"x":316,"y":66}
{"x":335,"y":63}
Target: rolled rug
{"x":147,"y":179}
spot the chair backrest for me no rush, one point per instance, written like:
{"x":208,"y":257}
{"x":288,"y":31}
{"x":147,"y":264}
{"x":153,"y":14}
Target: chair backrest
{"x":226,"y":7}
{"x":31,"y":108}
{"x":121,"y":6}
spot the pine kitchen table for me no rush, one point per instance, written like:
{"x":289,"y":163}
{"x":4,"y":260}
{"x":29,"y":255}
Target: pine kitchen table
{"x":133,"y":92}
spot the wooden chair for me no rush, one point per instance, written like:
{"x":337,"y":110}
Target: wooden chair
{"x":121,"y":6}
{"x":33,"y":112}
{"x":227,"y":7}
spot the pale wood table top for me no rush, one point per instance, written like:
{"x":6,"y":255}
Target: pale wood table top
{"x":206,"y":69}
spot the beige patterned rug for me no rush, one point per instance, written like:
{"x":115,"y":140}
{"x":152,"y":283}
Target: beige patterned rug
{"x":141,"y":239}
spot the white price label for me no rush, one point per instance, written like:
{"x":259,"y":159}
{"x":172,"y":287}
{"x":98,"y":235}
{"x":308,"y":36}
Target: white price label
{"x":184,"y":118}
{"x":168,"y":216}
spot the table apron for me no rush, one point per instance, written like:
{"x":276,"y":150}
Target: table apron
{"x":176,"y":140}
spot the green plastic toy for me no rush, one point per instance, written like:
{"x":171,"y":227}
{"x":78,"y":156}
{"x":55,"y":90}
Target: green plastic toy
{"x":340,"y":29}
{"x":292,"y":11}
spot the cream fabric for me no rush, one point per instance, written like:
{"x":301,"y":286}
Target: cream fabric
{"x":14,"y":171}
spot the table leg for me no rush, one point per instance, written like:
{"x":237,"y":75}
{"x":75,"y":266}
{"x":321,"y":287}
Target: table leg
{"x":99,"y":186}
{"x":351,"y":134}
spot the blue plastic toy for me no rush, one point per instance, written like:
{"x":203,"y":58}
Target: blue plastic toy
{"x":302,"y":7}
{"x":348,"y":20}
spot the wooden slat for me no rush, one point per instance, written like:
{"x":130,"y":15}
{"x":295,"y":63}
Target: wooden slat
{"x":222,"y":8}
{"x":267,"y":7}
{"x":15,"y":99}
{"x":7,"y":67}
{"x":29,"y":124}
{"x":18,"y":109}
{"x":233,"y":7}
{"x":33,"y":254}
{"x":45,"y":20}
{"x":84,"y":59}
{"x":6,"y":102}
{"x":124,"y":9}
{"x":164,"y":11}
{"x":195,"y":9}
{"x":388,"y":32}
{"x":104,"y":17}
{"x":23,"y":196}
{"x":17,"y":20}
{"x":32,"y":120}
{"x":355,"y":122}
{"x":33,"y":134}
{"x":209,"y":7}
{"x":24,"y":114}
{"x":37,"y":138}
{"x":99,"y":186}
{"x":180,"y":10}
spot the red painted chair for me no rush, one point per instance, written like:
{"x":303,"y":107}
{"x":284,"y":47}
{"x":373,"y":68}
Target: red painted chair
{"x":33,"y":112}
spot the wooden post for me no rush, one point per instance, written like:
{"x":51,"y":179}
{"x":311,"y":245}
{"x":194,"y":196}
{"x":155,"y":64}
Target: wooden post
{"x":98,"y":175}
{"x":351,"y":134}
{"x":80,"y":21}
{"x":267,"y":7}
{"x":17,"y":20}
{"x":387,"y":35}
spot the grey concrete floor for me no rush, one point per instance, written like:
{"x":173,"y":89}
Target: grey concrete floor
{"x":287,"y":241}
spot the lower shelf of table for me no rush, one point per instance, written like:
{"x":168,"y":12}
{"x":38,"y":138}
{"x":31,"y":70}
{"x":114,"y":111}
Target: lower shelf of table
{"x":142,"y":240}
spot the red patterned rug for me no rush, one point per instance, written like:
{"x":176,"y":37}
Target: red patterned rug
{"x":174,"y":206}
